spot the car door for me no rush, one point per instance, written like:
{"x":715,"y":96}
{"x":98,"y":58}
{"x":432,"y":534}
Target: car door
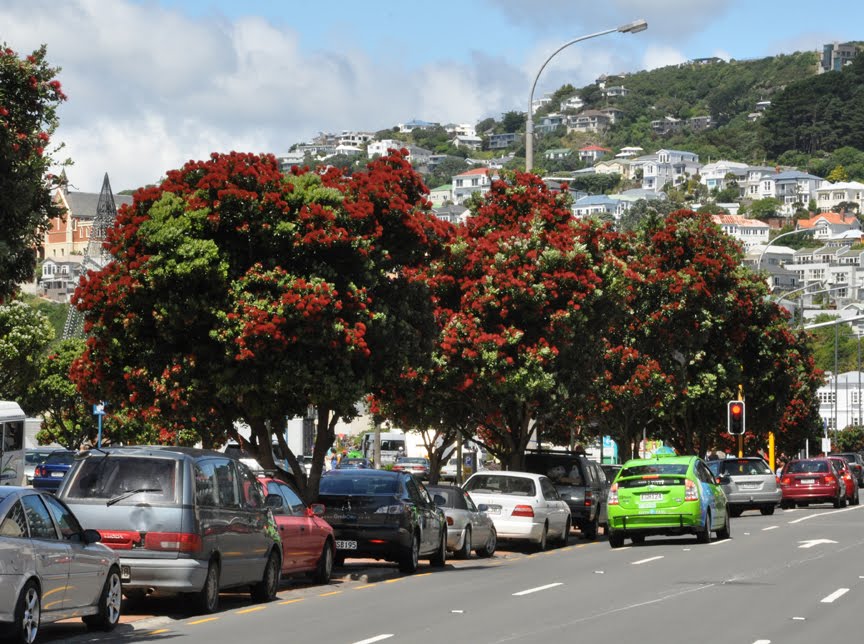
{"x":88,"y":565}
{"x":481,"y":526}
{"x":430,"y":532}
{"x":298,"y":527}
{"x":712,"y":493}
{"x":253,"y":518}
{"x":556,"y":508}
{"x":51,"y":555}
{"x":311,"y":542}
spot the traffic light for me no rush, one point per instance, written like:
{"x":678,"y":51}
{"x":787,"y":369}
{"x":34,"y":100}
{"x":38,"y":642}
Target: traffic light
{"x":735,"y":417}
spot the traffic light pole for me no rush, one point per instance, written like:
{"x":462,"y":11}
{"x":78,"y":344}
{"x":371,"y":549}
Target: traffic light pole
{"x":741,"y":436}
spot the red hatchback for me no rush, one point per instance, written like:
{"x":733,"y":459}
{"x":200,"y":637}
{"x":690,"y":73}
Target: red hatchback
{"x":812,"y":480}
{"x":850,"y":481}
{"x":307,"y":539}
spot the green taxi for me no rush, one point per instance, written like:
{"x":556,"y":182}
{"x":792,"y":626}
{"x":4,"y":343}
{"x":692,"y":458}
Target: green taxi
{"x":666,"y":495}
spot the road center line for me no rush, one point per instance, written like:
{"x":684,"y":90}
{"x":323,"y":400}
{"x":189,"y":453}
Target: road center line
{"x":377,"y":638}
{"x":835,"y":595}
{"x":641,"y":561}
{"x":762,"y":642}
{"x":770,"y":527}
{"x":537,"y":590}
{"x":824,"y":514}
{"x":720,"y":542}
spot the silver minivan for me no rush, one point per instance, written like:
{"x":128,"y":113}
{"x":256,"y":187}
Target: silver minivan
{"x":183,"y":520}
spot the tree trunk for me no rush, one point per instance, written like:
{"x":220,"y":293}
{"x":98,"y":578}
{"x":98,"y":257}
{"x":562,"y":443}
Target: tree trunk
{"x":324,"y":436}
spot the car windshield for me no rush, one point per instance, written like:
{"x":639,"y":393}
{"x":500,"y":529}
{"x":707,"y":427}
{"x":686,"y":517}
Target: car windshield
{"x":510,"y":485}
{"x":341,"y":485}
{"x":741,"y":467}
{"x":112,"y":476}
{"x":646,"y":469}
{"x":408,"y":459}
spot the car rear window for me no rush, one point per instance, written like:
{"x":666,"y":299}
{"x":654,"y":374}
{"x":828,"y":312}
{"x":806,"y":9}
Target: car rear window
{"x":648,"y":469}
{"x":750,"y":467}
{"x":111,"y":476}
{"x":807,"y":467}
{"x":60,"y":458}
{"x":339,"y":485}
{"x":510,"y":485}
{"x":34,"y":458}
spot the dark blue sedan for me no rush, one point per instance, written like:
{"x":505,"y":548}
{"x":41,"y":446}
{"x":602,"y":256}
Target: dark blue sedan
{"x":49,"y":475}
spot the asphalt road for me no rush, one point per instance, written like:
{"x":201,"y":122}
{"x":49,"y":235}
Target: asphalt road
{"x":795,"y":577}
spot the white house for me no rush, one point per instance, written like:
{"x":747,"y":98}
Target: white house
{"x":750,"y":232}
{"x":716,"y":175}
{"x":830,"y":195}
{"x":476,"y":180}
{"x":572,"y":103}
{"x":591,"y":153}
{"x":669,"y":167}
{"x":379,"y":148}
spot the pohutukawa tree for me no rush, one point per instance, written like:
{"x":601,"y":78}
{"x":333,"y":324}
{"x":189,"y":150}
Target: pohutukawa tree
{"x":523,"y":299}
{"x":29,"y":97}
{"x":239,"y":294}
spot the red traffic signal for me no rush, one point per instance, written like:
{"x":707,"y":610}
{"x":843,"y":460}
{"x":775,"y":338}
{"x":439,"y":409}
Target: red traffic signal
{"x":735,"y":417}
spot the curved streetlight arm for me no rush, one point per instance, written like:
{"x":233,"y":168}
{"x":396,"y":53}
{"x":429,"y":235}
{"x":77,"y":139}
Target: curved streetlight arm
{"x":771,"y":243}
{"x":631,"y":27}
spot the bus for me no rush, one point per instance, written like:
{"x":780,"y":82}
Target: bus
{"x":11,"y":443}
{"x":392,"y":446}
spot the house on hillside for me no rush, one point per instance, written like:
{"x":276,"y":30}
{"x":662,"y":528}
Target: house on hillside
{"x":502,"y":141}
{"x":592,"y":153}
{"x":589,"y":121}
{"x":750,"y":232}
{"x":60,"y":277}
{"x":573,"y":103}
{"x":465,"y":141}
{"x":441,"y":195}
{"x":465,"y":184}
{"x":628,"y":152}
{"x":614,"y":166}
{"x":380,"y":148}
{"x":669,"y":167}
{"x":719,"y":174}
{"x":454,"y":213}
{"x":557,"y":153}
{"x":416,"y":124}
{"x":835,"y":56}
{"x":794,"y":189}
{"x":831,"y":195}
{"x":829,"y":225}
{"x":599,"y":205}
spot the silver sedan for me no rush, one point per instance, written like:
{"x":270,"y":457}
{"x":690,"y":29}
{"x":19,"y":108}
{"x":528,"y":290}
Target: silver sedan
{"x":51,"y":568}
{"x":468,"y":527}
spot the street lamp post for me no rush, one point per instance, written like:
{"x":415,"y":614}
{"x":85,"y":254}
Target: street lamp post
{"x":770,"y":243}
{"x":630,"y":28}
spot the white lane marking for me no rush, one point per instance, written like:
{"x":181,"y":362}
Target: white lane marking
{"x":799,"y":619}
{"x":823,"y":514}
{"x":837,"y":594}
{"x":814,"y":542}
{"x":538,"y":589}
{"x":377,"y":638}
{"x":762,"y":642}
{"x":770,"y":527}
{"x":641,"y":561}
{"x":720,"y":542}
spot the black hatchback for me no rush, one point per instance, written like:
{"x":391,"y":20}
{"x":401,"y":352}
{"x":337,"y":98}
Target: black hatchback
{"x":383,"y":515}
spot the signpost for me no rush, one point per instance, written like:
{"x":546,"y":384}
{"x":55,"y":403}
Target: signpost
{"x":99,"y":411}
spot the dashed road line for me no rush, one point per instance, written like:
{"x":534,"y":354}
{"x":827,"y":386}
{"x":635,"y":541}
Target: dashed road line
{"x":537,"y":590}
{"x":642,"y":561}
{"x":837,"y":594}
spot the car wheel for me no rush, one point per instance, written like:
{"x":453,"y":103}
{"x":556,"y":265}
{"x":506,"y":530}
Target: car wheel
{"x":540,"y":546}
{"x":590,"y":530}
{"x":840,"y":501}
{"x":703,"y":534}
{"x":28,"y":612}
{"x":616,"y":539}
{"x":324,"y":570}
{"x":266,"y":589}
{"x":562,"y":541}
{"x":766,"y":510}
{"x":439,"y":559}
{"x":207,"y":599}
{"x":856,"y":499}
{"x":410,"y":556}
{"x":736,"y":512}
{"x":726,"y":531}
{"x":465,"y":551}
{"x":491,"y":544}
{"x":109,"y":604}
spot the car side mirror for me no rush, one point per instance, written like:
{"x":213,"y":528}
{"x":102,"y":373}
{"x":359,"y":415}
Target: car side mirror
{"x":482,"y":507}
{"x":91,"y":536}
{"x":274,"y":501}
{"x":317,"y":509}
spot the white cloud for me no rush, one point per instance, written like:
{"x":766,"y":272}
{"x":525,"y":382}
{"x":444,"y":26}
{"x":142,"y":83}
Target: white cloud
{"x":655,"y":57}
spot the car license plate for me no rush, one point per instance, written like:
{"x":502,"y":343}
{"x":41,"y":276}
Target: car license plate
{"x":651,"y":496}
{"x":58,"y":475}
{"x":493,"y":509}
{"x":749,"y":486}
{"x":807,"y":481}
{"x":125,"y":573}
{"x":346,"y":545}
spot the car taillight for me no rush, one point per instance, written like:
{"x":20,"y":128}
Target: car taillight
{"x":829,"y":480}
{"x":449,"y":520}
{"x":691,"y":493}
{"x":173,"y":541}
{"x":523,"y":511}
{"x":613,"y":495}
{"x":589,"y":498}
{"x":392,"y":509}
{"x":120,"y":539}
{"x":786,"y":480}
{"x":39,"y":471}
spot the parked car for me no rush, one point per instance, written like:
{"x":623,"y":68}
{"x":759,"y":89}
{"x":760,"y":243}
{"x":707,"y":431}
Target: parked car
{"x":667,"y":495}
{"x":354,"y":464}
{"x":34,"y":456}
{"x":383,"y":515}
{"x":752,"y":485}
{"x":524,"y":506}
{"x":52,"y":568}
{"x":580,"y":482}
{"x":850,"y":483}
{"x":416,"y":465}
{"x":49,"y":474}
{"x":856,"y":465}
{"x":468,"y":526}
{"x":183,"y":520}
{"x":812,"y":480}
{"x":307,"y":540}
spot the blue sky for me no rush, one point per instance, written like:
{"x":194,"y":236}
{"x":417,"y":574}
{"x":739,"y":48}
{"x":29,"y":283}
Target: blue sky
{"x":154,"y":83}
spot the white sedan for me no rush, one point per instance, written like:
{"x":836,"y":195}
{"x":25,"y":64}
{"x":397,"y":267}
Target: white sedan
{"x":523,"y":506}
